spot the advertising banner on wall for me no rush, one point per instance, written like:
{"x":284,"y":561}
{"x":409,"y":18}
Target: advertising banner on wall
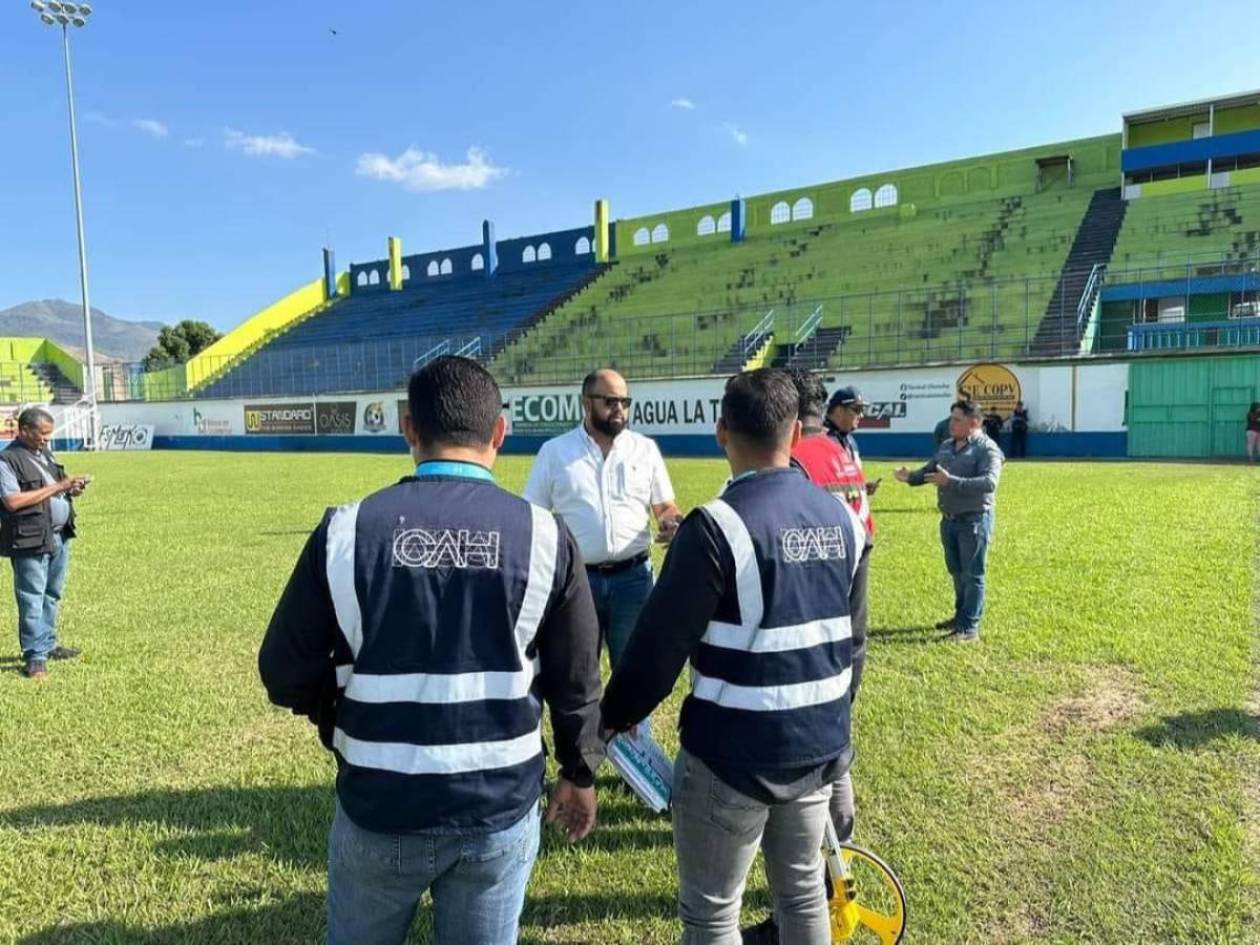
{"x":126,"y":436}
{"x":1061,"y":397}
{"x":336,"y":417}
{"x":283,"y":419}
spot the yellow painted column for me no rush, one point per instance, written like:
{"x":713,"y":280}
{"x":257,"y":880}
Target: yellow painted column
{"x":601,"y":231}
{"x":395,"y":263}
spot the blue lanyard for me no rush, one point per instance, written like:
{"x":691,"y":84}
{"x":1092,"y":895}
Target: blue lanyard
{"x":460,"y":470}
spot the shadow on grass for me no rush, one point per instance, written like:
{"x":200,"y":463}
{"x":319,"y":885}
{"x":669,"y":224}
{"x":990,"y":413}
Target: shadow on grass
{"x":296,"y":920}
{"x":1192,"y":730}
{"x":290,"y":824}
{"x":284,"y":823}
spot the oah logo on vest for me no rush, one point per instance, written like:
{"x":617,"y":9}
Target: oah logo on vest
{"x":993,"y":386}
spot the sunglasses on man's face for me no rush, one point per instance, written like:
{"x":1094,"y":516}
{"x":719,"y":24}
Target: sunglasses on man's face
{"x":610,"y":402}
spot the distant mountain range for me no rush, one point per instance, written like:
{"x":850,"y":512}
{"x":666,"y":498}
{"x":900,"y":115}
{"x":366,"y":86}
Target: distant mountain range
{"x":62,"y":322}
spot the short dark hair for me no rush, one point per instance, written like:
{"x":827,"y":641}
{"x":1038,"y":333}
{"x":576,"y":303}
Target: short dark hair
{"x":810,"y":392}
{"x":760,"y":407}
{"x":31,"y":417}
{"x":970,"y":409}
{"x":454,"y":402}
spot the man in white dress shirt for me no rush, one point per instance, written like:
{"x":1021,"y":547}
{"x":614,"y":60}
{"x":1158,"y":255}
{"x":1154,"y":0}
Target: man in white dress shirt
{"x":603,"y":480}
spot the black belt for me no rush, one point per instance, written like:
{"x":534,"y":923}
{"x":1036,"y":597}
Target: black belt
{"x":616,"y":567}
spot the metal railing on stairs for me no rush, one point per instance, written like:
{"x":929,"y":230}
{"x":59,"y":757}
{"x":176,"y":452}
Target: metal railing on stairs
{"x":807,"y":329}
{"x":757,"y":336}
{"x":1085,"y":306}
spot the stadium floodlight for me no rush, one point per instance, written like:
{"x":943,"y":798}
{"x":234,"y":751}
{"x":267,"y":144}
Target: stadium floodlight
{"x":56,"y":12}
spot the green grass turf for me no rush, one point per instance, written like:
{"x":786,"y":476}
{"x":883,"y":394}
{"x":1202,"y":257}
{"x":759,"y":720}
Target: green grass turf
{"x":1088,"y":774}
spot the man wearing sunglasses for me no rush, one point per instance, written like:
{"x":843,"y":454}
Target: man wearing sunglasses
{"x":603,"y":480}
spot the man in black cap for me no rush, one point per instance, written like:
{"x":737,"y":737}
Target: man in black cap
{"x":845,"y":411}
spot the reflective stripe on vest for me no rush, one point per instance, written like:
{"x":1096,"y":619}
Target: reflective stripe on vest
{"x":439,"y":688}
{"x":751,"y":637}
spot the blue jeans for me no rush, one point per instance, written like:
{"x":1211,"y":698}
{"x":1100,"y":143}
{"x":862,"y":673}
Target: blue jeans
{"x":375,"y":881}
{"x":37,"y":584}
{"x":618,"y":600}
{"x":966,"y":543}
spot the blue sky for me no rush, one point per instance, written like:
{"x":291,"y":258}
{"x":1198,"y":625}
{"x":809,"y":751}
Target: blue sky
{"x":223,"y":143}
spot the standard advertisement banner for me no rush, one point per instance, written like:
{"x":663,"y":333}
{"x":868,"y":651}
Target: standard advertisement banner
{"x":281,"y":419}
{"x":336,"y":417}
{"x":126,"y":436}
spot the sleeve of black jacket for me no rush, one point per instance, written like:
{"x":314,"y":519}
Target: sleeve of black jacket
{"x":568,"y":651}
{"x":298,"y":654}
{"x":670,"y":625}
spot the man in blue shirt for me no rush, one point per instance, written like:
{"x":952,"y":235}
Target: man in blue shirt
{"x":965,"y":471}
{"x":422,"y":630}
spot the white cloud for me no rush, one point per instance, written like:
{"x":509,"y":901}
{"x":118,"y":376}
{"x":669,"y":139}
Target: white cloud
{"x":194,"y":142}
{"x":100,"y":118}
{"x":738,"y":134}
{"x":282,"y":145}
{"x":420,"y":171}
{"x":151,"y":126}
{"x":684,"y":103}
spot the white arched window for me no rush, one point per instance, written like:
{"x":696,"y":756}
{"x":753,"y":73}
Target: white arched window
{"x":886,"y":196}
{"x":803,"y":209}
{"x":374,"y":278}
{"x":780,"y":213}
{"x":582,"y":246}
{"x":446,"y":268}
{"x":705,"y":226}
{"x":528,"y":255}
{"x":478,"y":262}
{"x":860,"y":200}
{"x":642,"y":237}
{"x":544,"y":252}
{"x":406,"y":272}
{"x":433,"y":268}
{"x":660,"y":233}
{"x":362,"y":280}
{"x":724,"y":222}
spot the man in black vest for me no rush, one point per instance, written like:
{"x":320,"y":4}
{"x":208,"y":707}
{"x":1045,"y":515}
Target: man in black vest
{"x":755,"y":592}
{"x":422,"y":630}
{"x":36,"y":525}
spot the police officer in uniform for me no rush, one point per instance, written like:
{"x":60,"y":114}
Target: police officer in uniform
{"x":755,"y":593}
{"x":422,"y":629}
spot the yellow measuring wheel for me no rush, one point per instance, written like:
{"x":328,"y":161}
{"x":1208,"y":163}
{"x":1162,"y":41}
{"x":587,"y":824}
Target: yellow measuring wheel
{"x":866,"y":901}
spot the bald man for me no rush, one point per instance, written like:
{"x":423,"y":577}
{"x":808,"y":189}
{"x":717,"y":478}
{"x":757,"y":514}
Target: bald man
{"x":603,"y":479}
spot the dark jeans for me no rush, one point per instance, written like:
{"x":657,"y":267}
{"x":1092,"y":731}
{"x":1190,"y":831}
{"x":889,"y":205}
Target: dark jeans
{"x":859,"y":614}
{"x":965,"y":539}
{"x":618,"y":599}
{"x":1019,"y":443}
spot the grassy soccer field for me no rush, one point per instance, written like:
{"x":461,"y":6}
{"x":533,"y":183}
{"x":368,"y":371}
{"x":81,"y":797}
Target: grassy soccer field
{"x":1087,"y":775}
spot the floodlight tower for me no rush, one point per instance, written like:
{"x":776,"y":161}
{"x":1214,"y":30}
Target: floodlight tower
{"x":54,"y":13}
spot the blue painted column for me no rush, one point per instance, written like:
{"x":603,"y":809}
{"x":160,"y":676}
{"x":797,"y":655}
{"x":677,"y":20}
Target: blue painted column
{"x":739,"y":219}
{"x":487,"y":248}
{"x":330,"y":274}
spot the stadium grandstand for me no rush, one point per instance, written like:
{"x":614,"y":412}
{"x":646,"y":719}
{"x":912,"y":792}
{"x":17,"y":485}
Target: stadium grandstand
{"x":1147,"y":240}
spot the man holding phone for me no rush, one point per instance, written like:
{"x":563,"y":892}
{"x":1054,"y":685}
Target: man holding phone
{"x":36,"y":525}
